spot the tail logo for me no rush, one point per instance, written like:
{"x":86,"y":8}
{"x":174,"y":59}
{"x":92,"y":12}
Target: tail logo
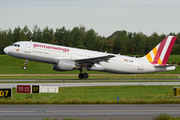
{"x":160,"y":54}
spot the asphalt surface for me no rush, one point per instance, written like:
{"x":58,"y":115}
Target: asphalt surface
{"x":90,"y":84}
{"x":103,"y":112}
{"x":95,"y":80}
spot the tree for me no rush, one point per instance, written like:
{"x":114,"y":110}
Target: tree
{"x":25,"y":34}
{"x":60,"y":35}
{"x":47,"y":34}
{"x":77,"y":36}
{"x":63,"y":36}
{"x":37,"y":34}
{"x":111,"y":45}
{"x":90,"y":40}
{"x":178,"y":39}
{"x":138,"y":41}
{"x":152,"y":41}
{"x":9,"y":37}
{"x":53,"y":41}
{"x":101,"y":43}
{"x":3,"y":40}
{"x":121,"y":43}
{"x":16,"y":34}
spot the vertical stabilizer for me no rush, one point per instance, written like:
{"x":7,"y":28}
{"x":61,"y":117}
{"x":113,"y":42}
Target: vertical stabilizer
{"x":160,"y":54}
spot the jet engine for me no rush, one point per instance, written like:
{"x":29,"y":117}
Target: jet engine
{"x":64,"y":65}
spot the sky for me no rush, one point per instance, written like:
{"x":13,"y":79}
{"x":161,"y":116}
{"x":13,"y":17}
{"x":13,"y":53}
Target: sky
{"x":104,"y":16}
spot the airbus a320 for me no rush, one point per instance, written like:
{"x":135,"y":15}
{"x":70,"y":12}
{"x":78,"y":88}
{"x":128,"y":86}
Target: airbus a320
{"x":67,"y":58}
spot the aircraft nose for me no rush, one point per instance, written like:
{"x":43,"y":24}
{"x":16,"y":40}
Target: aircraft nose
{"x":6,"y":50}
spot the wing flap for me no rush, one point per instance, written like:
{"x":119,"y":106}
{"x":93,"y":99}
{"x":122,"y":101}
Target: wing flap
{"x":95,"y":59}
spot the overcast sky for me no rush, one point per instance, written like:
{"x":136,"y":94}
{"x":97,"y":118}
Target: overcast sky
{"x":104,"y":16}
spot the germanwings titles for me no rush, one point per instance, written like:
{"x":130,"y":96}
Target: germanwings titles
{"x":67,"y":58}
{"x":51,"y":47}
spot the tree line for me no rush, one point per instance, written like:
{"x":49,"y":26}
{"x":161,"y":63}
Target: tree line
{"x":120,"y":42}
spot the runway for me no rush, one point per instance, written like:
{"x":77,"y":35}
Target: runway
{"x":103,"y":112}
{"x":92,"y":80}
{"x":90,"y":84}
{"x":123,"y":112}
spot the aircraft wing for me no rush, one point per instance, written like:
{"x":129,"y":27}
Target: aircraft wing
{"x":94,"y":59}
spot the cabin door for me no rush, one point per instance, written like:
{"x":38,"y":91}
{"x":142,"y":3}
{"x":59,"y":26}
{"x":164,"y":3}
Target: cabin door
{"x":141,"y":65}
{"x":28,"y":47}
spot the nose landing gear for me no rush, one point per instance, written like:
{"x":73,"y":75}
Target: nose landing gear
{"x":24,"y":67}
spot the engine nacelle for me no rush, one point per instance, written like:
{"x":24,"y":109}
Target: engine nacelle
{"x":64,"y":65}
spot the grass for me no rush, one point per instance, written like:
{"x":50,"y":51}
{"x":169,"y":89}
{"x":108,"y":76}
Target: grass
{"x":175,"y":118}
{"x":84,"y":81}
{"x":163,"y":116}
{"x":67,"y":77}
{"x":100,"y":95}
{"x":174,"y":58}
{"x":11,"y":65}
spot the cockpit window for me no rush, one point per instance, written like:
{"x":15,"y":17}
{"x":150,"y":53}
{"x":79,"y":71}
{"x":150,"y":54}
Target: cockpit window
{"x":16,"y":45}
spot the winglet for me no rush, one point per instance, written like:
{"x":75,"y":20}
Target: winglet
{"x":160,"y":54}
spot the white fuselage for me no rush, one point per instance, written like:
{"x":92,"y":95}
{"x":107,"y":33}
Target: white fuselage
{"x":49,"y":53}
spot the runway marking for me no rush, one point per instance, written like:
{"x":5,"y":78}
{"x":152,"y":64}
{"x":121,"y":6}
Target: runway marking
{"x":112,"y":111}
{"x":16,"y":111}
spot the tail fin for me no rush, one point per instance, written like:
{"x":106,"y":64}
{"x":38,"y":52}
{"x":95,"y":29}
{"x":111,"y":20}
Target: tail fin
{"x":160,"y":54}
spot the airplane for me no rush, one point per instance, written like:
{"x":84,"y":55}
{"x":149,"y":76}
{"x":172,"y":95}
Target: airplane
{"x":65,"y":58}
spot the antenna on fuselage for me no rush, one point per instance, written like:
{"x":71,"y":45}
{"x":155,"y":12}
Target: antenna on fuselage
{"x":117,"y":54}
{"x":31,"y":40}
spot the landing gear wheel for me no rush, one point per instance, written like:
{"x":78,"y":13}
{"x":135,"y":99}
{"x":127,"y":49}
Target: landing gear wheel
{"x":85,"y":75}
{"x":81,"y":76}
{"x":24,"y":68}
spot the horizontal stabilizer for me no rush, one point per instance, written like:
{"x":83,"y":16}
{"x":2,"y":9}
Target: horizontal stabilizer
{"x":168,"y":65}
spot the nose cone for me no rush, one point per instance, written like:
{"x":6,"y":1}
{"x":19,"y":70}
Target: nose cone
{"x":6,"y":50}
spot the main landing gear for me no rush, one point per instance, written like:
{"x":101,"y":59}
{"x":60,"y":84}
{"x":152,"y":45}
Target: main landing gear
{"x":24,"y":68}
{"x":81,"y":76}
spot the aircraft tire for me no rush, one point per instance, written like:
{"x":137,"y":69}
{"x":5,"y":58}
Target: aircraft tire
{"x":85,"y":75}
{"x":81,"y":76}
{"x":24,"y":68}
